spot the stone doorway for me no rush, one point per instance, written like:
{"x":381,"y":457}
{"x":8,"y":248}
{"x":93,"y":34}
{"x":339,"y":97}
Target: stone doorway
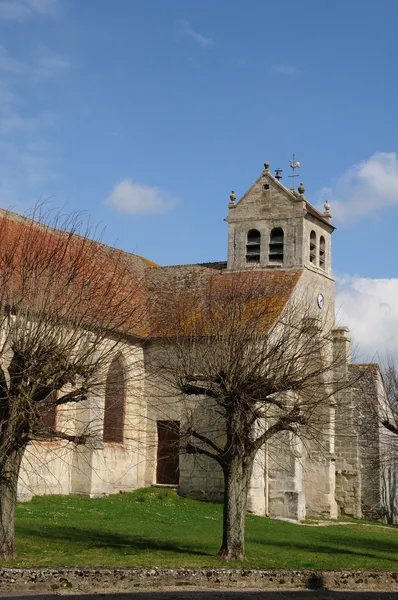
{"x":168,"y":455}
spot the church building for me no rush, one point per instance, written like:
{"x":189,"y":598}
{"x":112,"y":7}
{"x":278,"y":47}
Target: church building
{"x":277,"y":232}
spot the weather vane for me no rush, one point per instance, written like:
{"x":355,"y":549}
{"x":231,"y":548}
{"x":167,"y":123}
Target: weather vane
{"x":294,"y":165}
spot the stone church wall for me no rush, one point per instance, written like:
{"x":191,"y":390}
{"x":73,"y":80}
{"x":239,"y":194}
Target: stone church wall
{"x":200,"y":477}
{"x":376,"y":445}
{"x":46,"y":469}
{"x":348,"y":476}
{"x":317,"y":464}
{"x":46,"y":466}
{"x":286,"y":496}
{"x":97,"y":468}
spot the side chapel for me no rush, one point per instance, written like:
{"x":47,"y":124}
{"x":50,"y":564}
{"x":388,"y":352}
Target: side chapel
{"x":270,"y":229}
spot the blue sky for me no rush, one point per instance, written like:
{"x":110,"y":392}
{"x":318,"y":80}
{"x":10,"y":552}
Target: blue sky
{"x":146,"y":114}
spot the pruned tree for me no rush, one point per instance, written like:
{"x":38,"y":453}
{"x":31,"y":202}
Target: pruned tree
{"x":261,"y":361}
{"x":67,"y":303}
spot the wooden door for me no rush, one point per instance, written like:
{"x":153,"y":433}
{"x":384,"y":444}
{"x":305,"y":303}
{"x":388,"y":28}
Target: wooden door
{"x":168,"y":459}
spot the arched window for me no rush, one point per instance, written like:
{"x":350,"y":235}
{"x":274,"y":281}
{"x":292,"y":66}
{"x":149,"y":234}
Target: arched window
{"x":115,"y":393}
{"x":253,"y":245}
{"x":322,"y":252}
{"x":275,"y":254}
{"x":313,"y":247}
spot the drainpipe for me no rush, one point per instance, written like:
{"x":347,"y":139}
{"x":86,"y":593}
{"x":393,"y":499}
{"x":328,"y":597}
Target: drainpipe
{"x":266,"y":482}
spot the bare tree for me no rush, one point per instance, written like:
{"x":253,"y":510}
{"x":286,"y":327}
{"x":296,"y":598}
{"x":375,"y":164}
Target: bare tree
{"x":67,"y":303}
{"x":259,"y":362}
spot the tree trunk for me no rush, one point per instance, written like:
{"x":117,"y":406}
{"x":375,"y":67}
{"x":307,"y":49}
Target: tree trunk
{"x":237,"y":474}
{"x":9,"y":472}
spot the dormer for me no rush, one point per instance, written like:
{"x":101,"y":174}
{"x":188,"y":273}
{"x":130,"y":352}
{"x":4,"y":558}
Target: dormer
{"x":274,"y":227}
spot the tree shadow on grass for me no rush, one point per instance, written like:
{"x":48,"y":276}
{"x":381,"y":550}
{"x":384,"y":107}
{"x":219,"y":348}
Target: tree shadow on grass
{"x":106,"y":539}
{"x":334,"y":545}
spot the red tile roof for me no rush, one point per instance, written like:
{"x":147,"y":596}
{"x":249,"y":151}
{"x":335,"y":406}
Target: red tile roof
{"x":114,"y":288}
{"x":188,"y":295}
{"x":43,"y":269}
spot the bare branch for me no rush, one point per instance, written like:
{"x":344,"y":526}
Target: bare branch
{"x":49,"y":434}
{"x":206,"y":440}
{"x":191,"y":449}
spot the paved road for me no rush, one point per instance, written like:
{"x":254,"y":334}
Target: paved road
{"x":216,"y":595}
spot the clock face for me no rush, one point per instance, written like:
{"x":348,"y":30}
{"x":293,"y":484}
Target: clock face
{"x":320,"y":300}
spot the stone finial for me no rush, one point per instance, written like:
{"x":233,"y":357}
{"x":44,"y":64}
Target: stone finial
{"x":232,"y":198}
{"x":327,"y":206}
{"x":267,"y":166}
{"x":301,"y":188}
{"x":327,"y":214}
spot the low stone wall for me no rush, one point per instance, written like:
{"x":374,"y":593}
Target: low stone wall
{"x":89,"y":580}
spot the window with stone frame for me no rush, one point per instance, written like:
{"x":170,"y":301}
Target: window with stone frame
{"x":322,"y":253}
{"x":276,"y":246}
{"x":47,"y":418}
{"x":115,"y":399}
{"x":313,"y":247}
{"x":253,"y":246}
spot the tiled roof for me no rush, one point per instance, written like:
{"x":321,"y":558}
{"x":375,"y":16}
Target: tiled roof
{"x":75,"y":275}
{"x":152,"y":289}
{"x":179,"y":295}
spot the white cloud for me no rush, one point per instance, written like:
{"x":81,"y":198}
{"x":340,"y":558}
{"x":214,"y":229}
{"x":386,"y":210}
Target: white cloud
{"x":370,"y":309}
{"x":9,"y":64}
{"x":7,"y":99}
{"x":365,"y":188}
{"x":185,"y":30}
{"x":137,"y":198}
{"x":50,"y":66}
{"x":28,"y":161}
{"x":27,"y":165}
{"x":13,"y":122}
{"x":37,"y":166}
{"x":14,"y":10}
{"x":18,"y":10}
{"x":44,"y":7}
{"x":46,"y":65}
{"x":288,"y":70}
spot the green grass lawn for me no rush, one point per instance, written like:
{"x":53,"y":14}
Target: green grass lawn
{"x":157,"y":527}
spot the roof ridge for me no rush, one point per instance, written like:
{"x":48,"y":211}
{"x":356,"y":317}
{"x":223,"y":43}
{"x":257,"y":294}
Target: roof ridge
{"x":17,"y":217}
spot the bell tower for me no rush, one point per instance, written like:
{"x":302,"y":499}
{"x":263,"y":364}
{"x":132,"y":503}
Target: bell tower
{"x":273,"y":227}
